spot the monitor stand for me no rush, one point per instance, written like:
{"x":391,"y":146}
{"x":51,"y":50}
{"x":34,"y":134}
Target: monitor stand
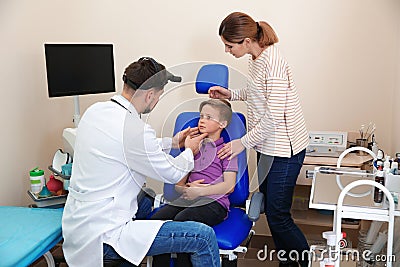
{"x":69,"y":134}
{"x":77,"y":111}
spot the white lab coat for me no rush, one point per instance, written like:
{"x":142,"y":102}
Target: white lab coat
{"x":114,"y":152}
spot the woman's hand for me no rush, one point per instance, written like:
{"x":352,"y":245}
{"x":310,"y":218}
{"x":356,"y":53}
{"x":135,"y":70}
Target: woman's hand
{"x":219,"y":92}
{"x":178,"y":140}
{"x":231,"y":149}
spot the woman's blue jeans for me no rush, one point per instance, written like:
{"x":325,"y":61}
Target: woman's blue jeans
{"x":195,"y":238}
{"x":277,"y":177}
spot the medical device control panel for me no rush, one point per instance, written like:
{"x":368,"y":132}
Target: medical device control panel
{"x":326,"y":143}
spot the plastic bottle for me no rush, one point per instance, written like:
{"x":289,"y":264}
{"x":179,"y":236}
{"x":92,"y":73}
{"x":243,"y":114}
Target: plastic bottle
{"x":397,"y":159}
{"x":395,"y":168}
{"x":374,"y":148}
{"x":379,"y":178}
{"x":37,"y":180}
{"x":386,"y":165}
{"x":379,"y":159}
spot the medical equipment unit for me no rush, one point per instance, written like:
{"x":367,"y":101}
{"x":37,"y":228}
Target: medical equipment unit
{"x":326,"y":144}
{"x":349,"y":193}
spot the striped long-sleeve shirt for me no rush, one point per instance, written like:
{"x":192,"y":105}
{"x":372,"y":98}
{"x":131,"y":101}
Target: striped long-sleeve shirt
{"x":276,"y":125}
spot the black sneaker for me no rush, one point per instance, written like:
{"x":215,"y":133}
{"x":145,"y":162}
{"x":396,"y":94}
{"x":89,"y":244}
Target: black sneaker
{"x":288,"y":264}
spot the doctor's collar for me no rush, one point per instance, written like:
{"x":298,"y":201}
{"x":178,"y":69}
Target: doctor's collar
{"x":124,"y":103}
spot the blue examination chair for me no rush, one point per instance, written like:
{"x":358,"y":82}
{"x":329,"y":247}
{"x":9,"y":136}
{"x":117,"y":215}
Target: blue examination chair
{"x":236,"y":229}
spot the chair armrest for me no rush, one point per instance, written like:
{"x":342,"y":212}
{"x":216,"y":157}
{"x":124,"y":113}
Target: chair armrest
{"x":158,"y":200}
{"x":150,"y":192}
{"x":256,"y":206}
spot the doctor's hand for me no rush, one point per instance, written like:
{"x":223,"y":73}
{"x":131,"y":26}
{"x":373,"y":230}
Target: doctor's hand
{"x":178,"y":140}
{"x":219,"y":92}
{"x":231,"y":149}
{"x":193,"y":142}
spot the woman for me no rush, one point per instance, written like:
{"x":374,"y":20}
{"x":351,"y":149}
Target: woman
{"x":277,"y":129}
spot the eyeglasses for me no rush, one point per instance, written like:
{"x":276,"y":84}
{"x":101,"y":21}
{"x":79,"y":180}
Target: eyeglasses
{"x":208,"y":118}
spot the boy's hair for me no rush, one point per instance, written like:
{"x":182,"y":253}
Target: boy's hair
{"x":223,"y":107}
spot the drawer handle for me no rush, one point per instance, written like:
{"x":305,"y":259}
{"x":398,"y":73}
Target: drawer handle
{"x":309,"y":174}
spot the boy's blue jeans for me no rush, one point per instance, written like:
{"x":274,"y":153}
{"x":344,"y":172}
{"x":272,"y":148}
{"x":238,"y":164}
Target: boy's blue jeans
{"x":181,"y":237}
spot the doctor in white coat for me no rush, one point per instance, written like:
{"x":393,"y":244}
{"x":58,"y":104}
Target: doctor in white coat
{"x":114,"y":152}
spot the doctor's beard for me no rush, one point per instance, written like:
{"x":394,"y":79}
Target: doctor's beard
{"x":147,"y":110}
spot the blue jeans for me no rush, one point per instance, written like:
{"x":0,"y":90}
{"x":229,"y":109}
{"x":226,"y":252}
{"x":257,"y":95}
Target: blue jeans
{"x":145,"y":206}
{"x":195,"y":238}
{"x":277,"y":176}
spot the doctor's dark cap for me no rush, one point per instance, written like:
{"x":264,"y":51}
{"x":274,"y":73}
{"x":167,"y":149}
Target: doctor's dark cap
{"x":146,"y":73}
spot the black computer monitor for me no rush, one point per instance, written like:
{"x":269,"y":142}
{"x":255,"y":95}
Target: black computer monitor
{"x":79,"y":69}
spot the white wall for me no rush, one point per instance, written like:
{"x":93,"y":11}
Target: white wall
{"x":344,"y":54}
{"x":396,"y":101}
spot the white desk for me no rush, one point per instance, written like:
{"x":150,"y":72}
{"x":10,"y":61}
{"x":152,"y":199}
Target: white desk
{"x":325,"y":193}
{"x":350,"y":160}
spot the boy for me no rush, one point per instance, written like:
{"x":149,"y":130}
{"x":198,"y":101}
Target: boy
{"x":205,"y":192}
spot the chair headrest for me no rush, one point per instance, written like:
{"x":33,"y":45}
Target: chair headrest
{"x":211,"y":75}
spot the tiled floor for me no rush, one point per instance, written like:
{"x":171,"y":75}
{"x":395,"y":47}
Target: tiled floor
{"x":258,"y":246}
{"x":241,"y":263}
{"x":247,"y":260}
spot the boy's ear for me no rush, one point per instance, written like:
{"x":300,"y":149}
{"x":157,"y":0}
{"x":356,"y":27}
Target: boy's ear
{"x":223,"y":124}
